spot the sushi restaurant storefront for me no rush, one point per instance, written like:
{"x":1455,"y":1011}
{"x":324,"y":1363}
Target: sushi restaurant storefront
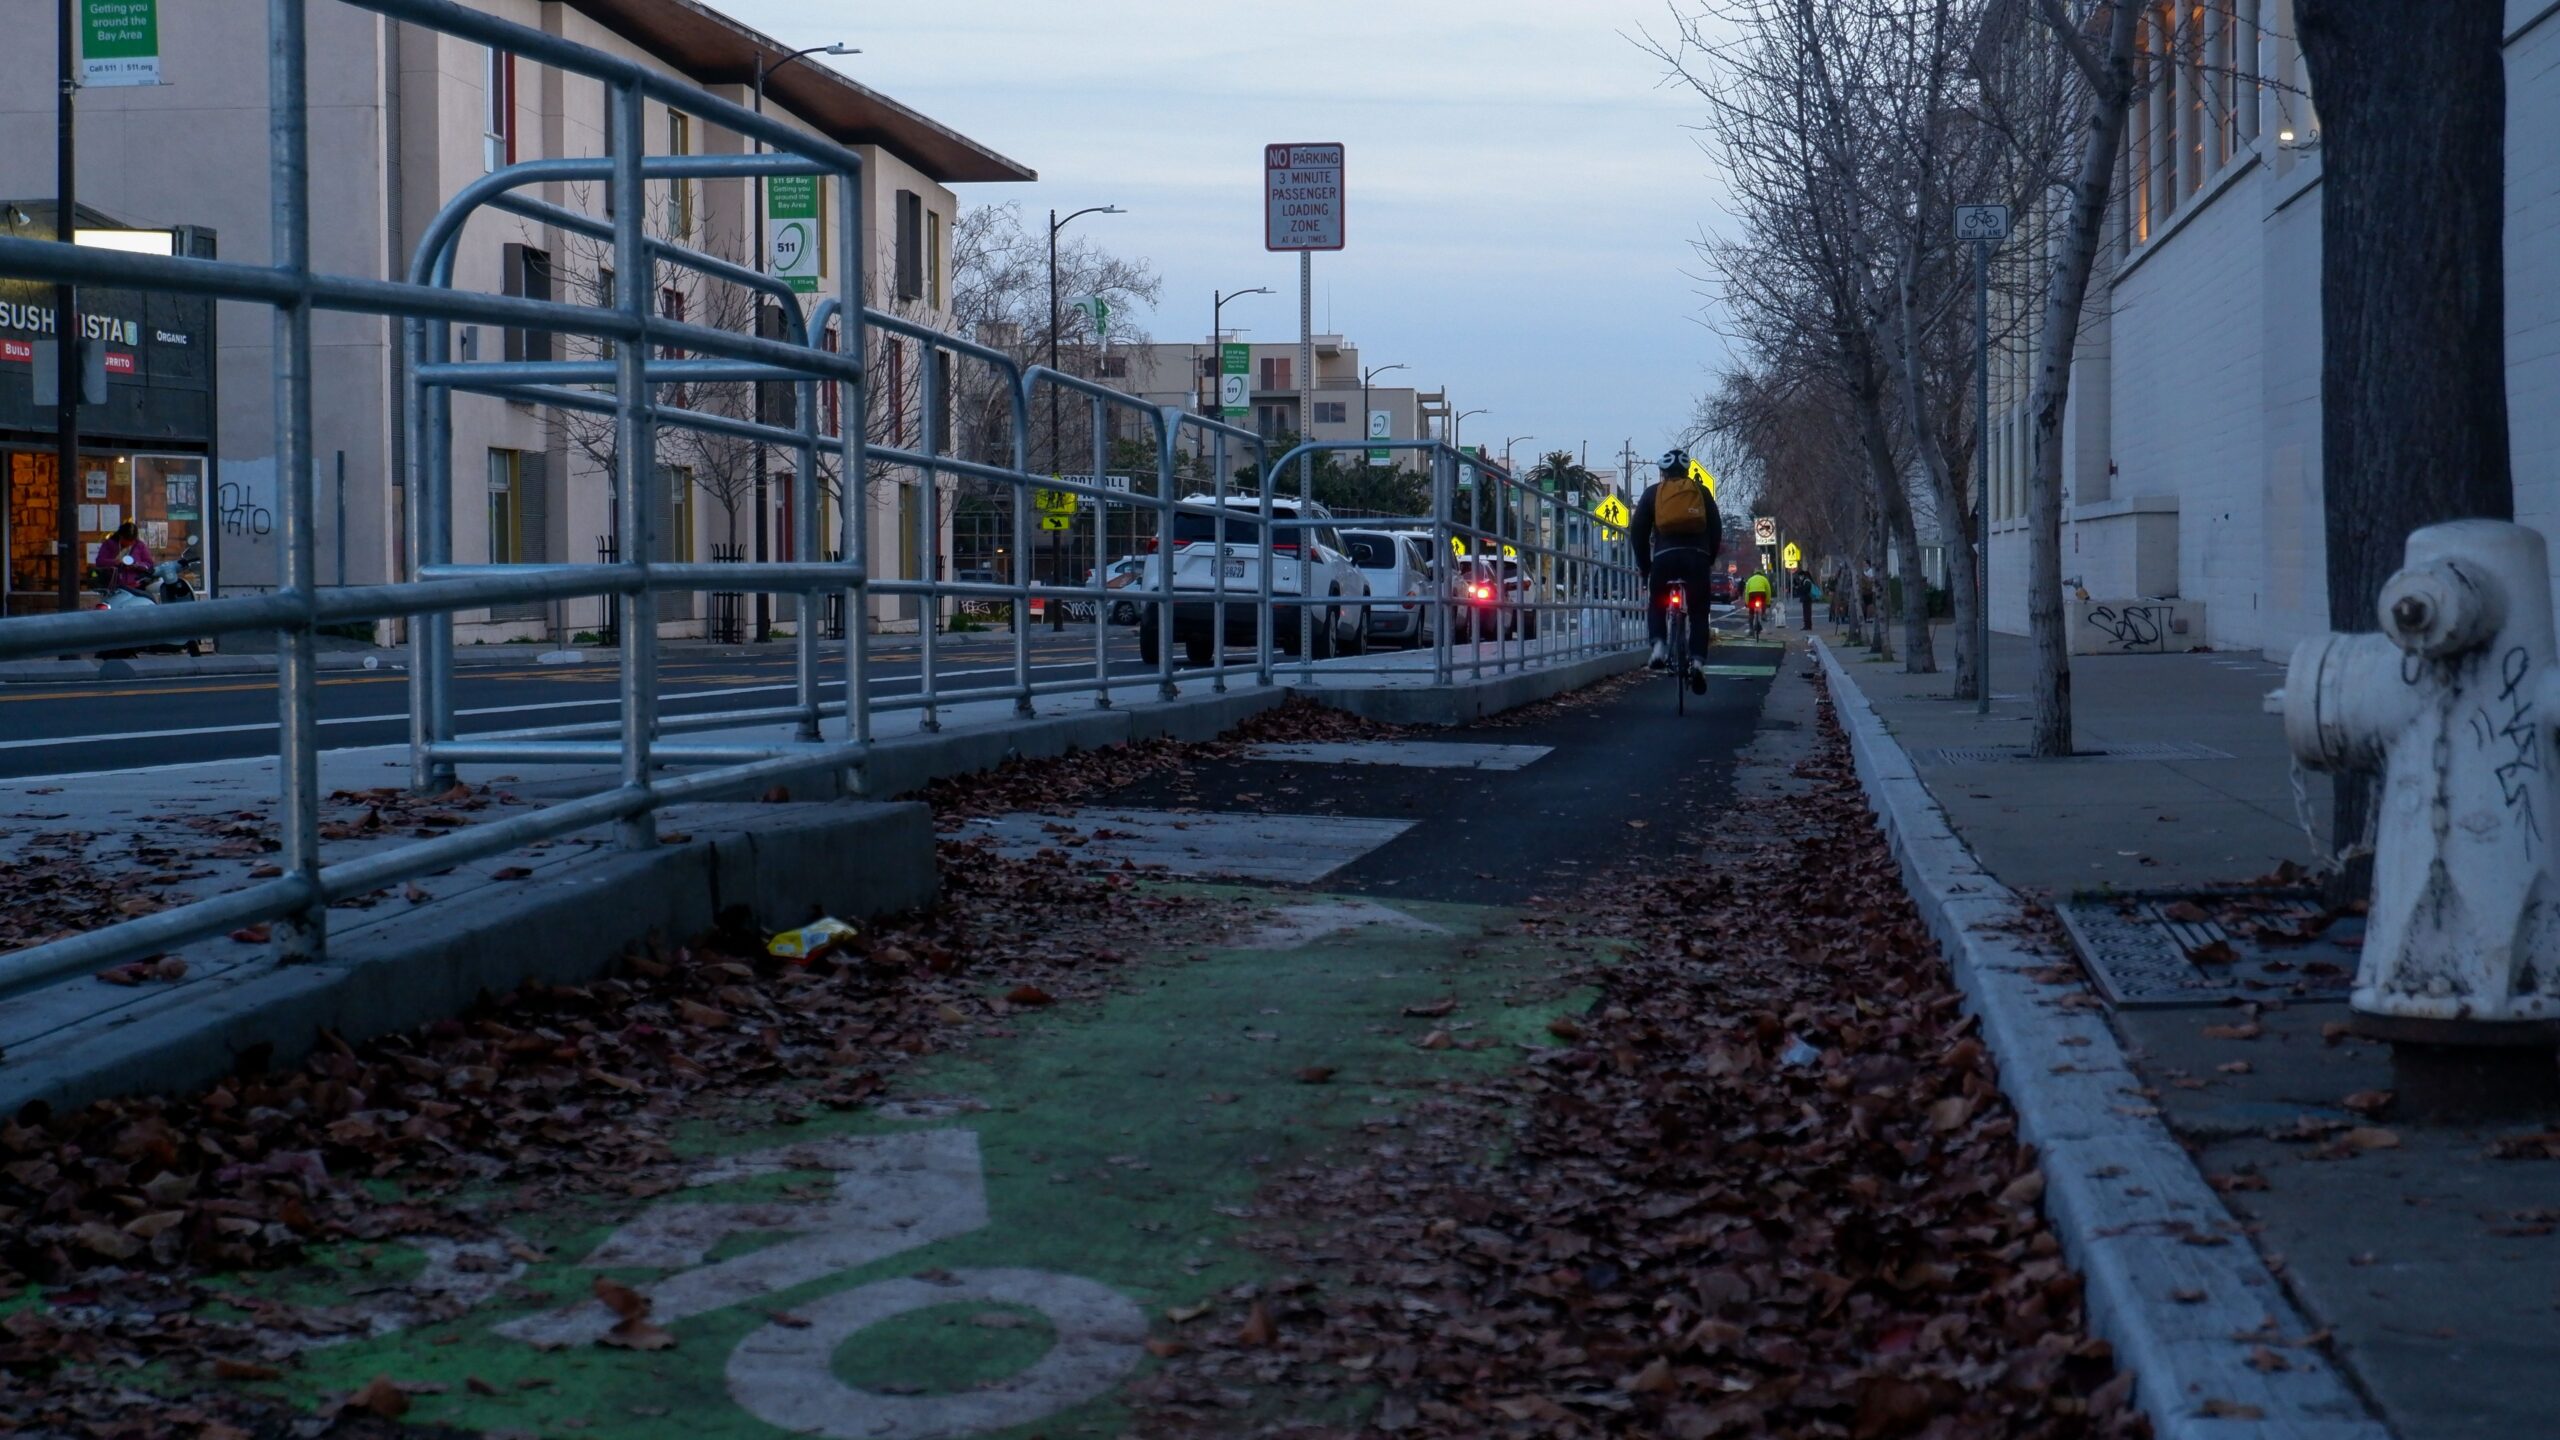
{"x":146,"y":455}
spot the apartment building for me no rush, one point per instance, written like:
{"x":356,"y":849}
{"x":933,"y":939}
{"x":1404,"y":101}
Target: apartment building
{"x":1186,"y":374}
{"x":2192,"y":464}
{"x":402,"y":118}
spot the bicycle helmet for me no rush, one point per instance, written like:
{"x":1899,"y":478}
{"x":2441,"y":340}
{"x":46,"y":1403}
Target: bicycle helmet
{"x":1675,"y":461}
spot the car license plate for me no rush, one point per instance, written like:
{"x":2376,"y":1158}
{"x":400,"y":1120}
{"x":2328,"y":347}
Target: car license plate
{"x":1235,"y":569}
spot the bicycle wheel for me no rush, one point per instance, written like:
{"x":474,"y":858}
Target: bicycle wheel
{"x":1678,"y":636}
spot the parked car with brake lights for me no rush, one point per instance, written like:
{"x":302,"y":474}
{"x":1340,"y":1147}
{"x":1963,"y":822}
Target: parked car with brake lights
{"x":1305,"y":561}
{"x":1493,"y":597}
{"x":1395,"y":564}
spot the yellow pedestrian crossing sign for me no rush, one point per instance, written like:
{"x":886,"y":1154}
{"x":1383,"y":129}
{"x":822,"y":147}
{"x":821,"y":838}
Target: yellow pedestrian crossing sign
{"x":1794,"y":556}
{"x":1057,"y":507}
{"x":1613,"y":513}
{"x":1699,"y":473}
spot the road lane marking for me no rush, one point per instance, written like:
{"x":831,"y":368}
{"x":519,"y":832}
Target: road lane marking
{"x":1287,"y":848}
{"x":1422,"y":754}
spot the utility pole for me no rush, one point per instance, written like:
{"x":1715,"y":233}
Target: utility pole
{"x":764,"y":506}
{"x":1057,"y":543}
{"x":66,"y":333}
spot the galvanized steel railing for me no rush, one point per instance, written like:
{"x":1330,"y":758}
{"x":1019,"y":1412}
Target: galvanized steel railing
{"x":1576,"y":571}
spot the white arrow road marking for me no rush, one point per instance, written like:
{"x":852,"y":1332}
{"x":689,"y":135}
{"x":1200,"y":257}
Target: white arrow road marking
{"x":1293,"y":927}
{"x":784,"y":1376}
{"x":893,"y":1193}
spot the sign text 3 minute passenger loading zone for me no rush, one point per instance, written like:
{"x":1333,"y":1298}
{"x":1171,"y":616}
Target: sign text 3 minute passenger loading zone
{"x":1302,"y":197}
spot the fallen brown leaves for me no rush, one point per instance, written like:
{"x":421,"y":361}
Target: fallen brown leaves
{"x":1767,"y":1187}
{"x":115,"y":1209}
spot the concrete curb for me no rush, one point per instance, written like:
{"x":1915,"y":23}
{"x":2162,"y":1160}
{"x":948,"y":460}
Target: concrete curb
{"x":1465,"y":700}
{"x":2131,"y":1210}
{"x":565,"y":923}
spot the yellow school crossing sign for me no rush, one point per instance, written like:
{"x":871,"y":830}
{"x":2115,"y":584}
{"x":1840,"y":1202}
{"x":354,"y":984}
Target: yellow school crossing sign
{"x":1699,"y":473}
{"x":1612,"y":513}
{"x":1794,"y":556}
{"x":1057,"y":507}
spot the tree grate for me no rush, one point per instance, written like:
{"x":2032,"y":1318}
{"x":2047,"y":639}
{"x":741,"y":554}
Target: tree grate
{"x":2123,"y":752}
{"x":2139,"y":947}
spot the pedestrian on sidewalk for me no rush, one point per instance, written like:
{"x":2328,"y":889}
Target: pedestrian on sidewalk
{"x":1675,"y":532}
{"x":1804,"y":597}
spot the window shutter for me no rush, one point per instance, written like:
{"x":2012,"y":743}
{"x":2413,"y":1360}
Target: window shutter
{"x":781,"y":397}
{"x":533,"y":508}
{"x":910,"y":245}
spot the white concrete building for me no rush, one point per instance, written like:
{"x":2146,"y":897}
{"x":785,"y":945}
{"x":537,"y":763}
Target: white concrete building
{"x":1186,"y":374}
{"x":401,"y":118}
{"x":2192,"y":468}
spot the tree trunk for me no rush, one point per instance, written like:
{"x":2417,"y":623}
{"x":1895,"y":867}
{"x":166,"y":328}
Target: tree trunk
{"x":2413,"y":372}
{"x":1956,"y":532}
{"x":1894,"y":505}
{"x":2065,"y":298}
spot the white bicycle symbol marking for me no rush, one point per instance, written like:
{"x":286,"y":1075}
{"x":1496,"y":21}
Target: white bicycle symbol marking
{"x":893,"y":1193}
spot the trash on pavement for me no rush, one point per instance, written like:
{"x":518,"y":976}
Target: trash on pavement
{"x":811,"y":940}
{"x":1798,"y":1052}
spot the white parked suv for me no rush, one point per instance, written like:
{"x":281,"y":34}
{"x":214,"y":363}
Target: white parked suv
{"x":1306,"y":560}
{"x":1395,"y":563}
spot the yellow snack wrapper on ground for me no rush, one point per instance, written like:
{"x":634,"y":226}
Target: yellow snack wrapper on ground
{"x":811,"y":940}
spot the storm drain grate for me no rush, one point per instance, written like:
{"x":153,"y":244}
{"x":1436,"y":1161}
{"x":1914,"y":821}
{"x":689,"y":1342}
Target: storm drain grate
{"x":2139,"y":947}
{"x":2123,"y":752}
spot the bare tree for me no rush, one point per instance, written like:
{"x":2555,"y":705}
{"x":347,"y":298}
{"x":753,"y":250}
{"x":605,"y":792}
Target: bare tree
{"x":1795,"y":128}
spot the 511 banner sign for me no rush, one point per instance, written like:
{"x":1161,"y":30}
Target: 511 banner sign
{"x":119,"y":42}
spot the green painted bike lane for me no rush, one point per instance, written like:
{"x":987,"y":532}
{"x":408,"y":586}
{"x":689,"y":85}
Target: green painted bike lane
{"x":985,"y":1253}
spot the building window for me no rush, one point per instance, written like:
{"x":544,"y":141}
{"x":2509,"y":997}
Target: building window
{"x":1272,"y":421}
{"x":894,"y":394}
{"x":528,"y":277}
{"x":1111,"y":367}
{"x":675,"y":536}
{"x":498,"y":142}
{"x":1277,"y":370}
{"x":506,"y":511}
{"x":679,"y":192}
{"x":606,"y":347}
{"x":910,"y":246}
{"x":1333,"y":412}
{"x":671,"y":306}
{"x":932,"y":259}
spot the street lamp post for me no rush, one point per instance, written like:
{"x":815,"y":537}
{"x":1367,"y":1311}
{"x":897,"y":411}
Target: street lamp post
{"x":1217,"y":356}
{"x":1057,"y":547}
{"x":764,"y":516}
{"x":1506,"y":448}
{"x":1365,"y":377}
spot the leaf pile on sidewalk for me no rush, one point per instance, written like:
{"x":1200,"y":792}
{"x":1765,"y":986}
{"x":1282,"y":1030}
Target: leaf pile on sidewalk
{"x":1767,"y":1186}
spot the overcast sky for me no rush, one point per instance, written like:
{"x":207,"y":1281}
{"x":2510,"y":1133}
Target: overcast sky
{"x":1522,"y":192}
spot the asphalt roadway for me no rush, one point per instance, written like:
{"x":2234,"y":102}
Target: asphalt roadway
{"x":72,"y":727}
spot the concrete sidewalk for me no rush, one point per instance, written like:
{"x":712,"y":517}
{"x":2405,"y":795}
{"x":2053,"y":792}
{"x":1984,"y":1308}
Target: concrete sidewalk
{"x":2425,"y":1261}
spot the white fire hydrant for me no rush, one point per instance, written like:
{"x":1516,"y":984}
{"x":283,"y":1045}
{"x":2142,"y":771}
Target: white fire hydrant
{"x":2453,"y":704}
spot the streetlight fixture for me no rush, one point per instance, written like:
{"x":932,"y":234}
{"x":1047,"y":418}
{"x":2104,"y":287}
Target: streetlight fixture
{"x":764,"y":514}
{"x":1218,"y":333}
{"x":1506,"y":448}
{"x":1456,"y":420}
{"x":1366,"y":376}
{"x":1057,"y":547}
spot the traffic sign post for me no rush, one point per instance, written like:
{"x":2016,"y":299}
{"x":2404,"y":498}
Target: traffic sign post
{"x":1764,"y":530}
{"x":1613,"y":516}
{"x":1700,"y":474}
{"x":1794,"y":556}
{"x":1235,"y":385}
{"x":1381,"y":427}
{"x":791,"y":230}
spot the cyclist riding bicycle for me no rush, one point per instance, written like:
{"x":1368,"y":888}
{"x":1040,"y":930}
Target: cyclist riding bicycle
{"x":1676,"y":531}
{"x":1756,"y":600}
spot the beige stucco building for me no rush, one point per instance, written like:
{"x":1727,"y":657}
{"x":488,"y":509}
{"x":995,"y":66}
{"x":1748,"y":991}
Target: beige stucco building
{"x":1186,"y":374}
{"x":401,"y":118}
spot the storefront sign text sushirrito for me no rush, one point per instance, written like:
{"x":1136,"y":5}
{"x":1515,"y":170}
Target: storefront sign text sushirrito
{"x":38,"y":320}
{"x":119,"y":42}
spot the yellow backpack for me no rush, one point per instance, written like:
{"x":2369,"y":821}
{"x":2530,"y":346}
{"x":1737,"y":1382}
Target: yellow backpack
{"x":1681,"y":506}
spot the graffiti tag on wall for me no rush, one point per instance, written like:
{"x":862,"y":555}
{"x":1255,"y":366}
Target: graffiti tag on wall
{"x":239,"y":512}
{"x":2132,"y":627}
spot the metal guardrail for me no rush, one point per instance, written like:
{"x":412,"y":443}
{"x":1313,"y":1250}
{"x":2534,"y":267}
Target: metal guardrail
{"x":1576,"y":572}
